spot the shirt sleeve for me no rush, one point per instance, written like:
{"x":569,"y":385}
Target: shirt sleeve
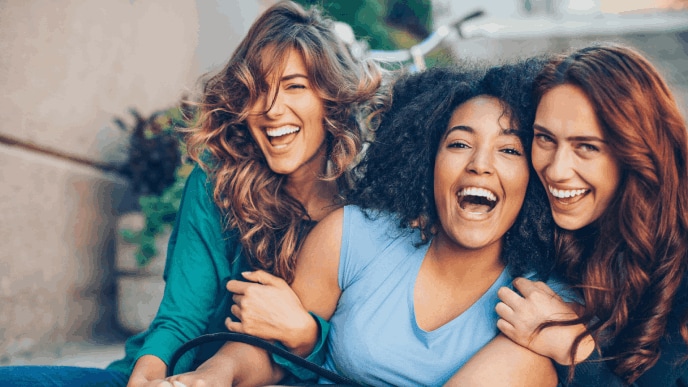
{"x":193,"y":290}
{"x":317,"y":356}
{"x":671,"y":366}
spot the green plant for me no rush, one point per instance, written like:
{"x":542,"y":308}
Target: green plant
{"x":157,"y":175}
{"x":159,"y":213}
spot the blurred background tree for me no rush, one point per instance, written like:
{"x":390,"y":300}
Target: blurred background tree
{"x":383,"y":24}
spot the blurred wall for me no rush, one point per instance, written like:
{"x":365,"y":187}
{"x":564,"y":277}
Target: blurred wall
{"x":67,"y":69}
{"x":651,"y":26}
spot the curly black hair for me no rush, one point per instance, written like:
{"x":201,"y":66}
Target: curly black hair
{"x":396,"y":173}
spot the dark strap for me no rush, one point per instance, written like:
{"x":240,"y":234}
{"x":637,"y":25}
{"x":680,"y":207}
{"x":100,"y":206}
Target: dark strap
{"x":260,"y":343}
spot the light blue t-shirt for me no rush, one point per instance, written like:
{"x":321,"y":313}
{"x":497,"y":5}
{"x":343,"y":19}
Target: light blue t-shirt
{"x":374,"y":338}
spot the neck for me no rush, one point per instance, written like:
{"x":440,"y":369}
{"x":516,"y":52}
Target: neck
{"x":315,"y":194}
{"x":460,"y":263}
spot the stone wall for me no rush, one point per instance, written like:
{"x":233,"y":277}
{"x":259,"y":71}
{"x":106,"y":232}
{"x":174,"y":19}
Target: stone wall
{"x":67,"y":69}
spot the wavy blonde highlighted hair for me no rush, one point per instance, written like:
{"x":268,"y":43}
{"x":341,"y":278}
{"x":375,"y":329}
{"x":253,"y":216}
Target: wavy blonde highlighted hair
{"x":271,"y":223}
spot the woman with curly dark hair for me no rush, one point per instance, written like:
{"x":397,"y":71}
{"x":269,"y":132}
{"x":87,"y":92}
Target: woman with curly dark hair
{"x":446,"y":212}
{"x":611,"y":149}
{"x":280,"y":127}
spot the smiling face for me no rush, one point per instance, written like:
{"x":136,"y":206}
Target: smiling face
{"x":288,"y":127}
{"x":481,"y":175}
{"x":572,"y":158}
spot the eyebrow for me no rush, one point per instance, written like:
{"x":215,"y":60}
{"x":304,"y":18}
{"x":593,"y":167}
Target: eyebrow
{"x":540,"y":128}
{"x":468,"y":129}
{"x":292,"y":76}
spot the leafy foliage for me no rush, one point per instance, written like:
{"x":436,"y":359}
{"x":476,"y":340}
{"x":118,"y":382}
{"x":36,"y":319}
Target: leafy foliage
{"x":384,"y":24}
{"x":156,"y":173}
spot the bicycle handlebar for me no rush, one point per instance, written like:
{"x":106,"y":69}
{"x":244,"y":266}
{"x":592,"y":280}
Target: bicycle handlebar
{"x":421,"y":49}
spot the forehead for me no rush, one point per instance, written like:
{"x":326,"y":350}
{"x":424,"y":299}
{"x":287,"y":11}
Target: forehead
{"x":276,"y":63}
{"x":479,"y":111}
{"x":567,"y":108}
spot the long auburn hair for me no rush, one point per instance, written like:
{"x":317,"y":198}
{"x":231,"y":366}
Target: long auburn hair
{"x":631,"y":262}
{"x":271,"y":223}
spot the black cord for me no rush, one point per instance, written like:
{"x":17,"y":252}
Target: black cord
{"x":260,"y":343}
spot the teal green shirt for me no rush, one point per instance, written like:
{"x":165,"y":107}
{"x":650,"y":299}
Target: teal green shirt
{"x":201,"y":258}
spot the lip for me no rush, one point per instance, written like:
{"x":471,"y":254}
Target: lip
{"x":280,"y":137}
{"x":564,"y":197}
{"x":281,"y":130}
{"x":477,"y":190}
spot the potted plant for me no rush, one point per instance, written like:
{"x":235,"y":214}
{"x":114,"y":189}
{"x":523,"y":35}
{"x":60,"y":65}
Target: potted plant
{"x":157,"y":175}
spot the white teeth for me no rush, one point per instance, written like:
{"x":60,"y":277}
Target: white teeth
{"x":475,"y":191}
{"x":562,"y":194}
{"x":282,"y":130}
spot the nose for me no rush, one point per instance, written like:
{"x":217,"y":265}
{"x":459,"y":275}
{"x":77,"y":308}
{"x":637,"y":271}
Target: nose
{"x":560,"y":166}
{"x":481,"y":162}
{"x":274,"y":106}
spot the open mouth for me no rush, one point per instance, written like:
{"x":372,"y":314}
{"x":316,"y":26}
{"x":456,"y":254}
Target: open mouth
{"x":477,"y":200}
{"x":282,"y":135}
{"x":568,"y":196}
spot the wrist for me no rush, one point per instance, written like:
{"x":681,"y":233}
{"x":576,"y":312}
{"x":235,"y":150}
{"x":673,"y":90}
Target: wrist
{"x":302,"y":340}
{"x":585,"y":347}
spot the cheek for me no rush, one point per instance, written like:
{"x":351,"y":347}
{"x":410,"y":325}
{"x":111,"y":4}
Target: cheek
{"x":444,"y":176}
{"x":539,"y":158}
{"x":516,"y":181}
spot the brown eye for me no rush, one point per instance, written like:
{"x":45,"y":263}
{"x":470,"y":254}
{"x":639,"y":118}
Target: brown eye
{"x":458,"y":144}
{"x":513,"y":151}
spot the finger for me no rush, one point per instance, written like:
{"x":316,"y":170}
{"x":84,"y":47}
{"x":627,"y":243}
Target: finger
{"x":236,"y":311}
{"x":234,"y":326}
{"x":509,"y":297}
{"x":506,"y":328}
{"x":236,"y":298}
{"x":238,"y":287}
{"x":189,"y":382}
{"x":263,"y":277}
{"x":544,"y":288}
{"x":524,"y":286}
{"x":504,"y":311}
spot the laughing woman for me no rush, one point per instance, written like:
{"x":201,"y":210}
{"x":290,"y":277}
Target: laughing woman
{"x":611,"y":148}
{"x":445,"y":214}
{"x":280,"y":126}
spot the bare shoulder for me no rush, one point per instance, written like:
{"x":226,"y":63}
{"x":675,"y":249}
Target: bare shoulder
{"x":317,"y":265}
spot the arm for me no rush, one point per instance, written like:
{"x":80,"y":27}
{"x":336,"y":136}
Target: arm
{"x":268,"y":308}
{"x":315,"y":284}
{"x":521,"y":316}
{"x":149,"y":370}
{"x":522,"y":357}
{"x":317,"y":268}
{"x":504,"y":363}
{"x":193,"y":284}
{"x":671,"y":366}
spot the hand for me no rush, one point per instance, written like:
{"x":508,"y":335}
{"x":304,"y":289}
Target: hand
{"x":521,"y":316}
{"x":214,"y":377}
{"x":170,"y":383}
{"x":269,"y":309}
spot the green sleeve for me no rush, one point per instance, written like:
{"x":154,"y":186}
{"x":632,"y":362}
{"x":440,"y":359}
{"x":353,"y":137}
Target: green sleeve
{"x":196,"y":270}
{"x":196,"y":264}
{"x":201,"y":258}
{"x":317,"y":356}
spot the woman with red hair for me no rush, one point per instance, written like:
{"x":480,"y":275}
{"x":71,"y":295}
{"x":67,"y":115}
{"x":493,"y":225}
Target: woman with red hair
{"x":610,"y":148}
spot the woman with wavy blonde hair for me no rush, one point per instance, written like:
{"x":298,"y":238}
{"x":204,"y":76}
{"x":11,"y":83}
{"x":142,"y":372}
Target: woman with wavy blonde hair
{"x":611,"y":149}
{"x":280,"y":127}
